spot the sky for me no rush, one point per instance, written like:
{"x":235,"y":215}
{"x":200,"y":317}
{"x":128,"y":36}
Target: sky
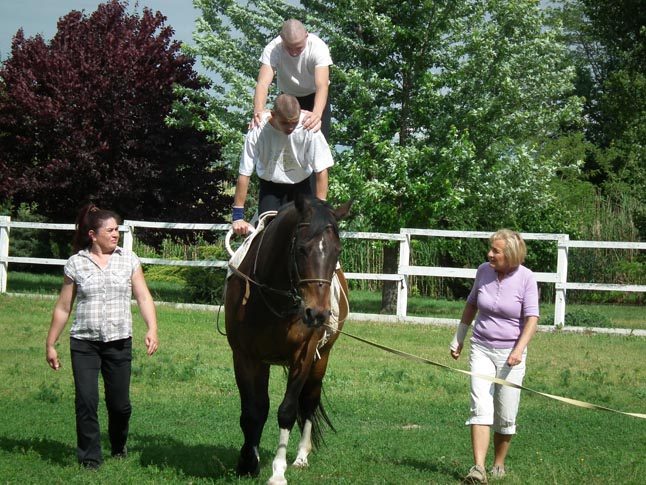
{"x":41,"y":17}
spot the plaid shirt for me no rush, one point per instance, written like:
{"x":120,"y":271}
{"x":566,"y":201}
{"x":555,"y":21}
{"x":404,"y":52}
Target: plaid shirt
{"x":103,"y":295}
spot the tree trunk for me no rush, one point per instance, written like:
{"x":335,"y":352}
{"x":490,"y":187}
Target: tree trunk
{"x":389,"y":289}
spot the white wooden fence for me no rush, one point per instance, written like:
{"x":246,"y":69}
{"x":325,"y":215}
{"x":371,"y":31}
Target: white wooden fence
{"x":404,"y":270}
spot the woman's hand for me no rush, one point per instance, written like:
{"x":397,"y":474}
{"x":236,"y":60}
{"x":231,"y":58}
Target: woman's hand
{"x":52,"y":357}
{"x":152,"y":342}
{"x":455,"y":353}
{"x":515,"y":358}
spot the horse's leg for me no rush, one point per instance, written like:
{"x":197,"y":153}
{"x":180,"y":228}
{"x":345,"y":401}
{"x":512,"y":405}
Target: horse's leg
{"x":304,"y":445}
{"x":252,"y":379}
{"x":309,"y":402}
{"x":288,"y":410}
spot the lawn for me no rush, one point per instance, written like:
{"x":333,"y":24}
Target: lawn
{"x":397,"y":421}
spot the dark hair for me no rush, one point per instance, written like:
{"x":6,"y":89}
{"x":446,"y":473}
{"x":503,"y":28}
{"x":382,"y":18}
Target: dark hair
{"x":90,"y":218}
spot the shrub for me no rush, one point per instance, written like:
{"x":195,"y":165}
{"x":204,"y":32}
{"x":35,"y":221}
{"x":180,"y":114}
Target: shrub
{"x":166,"y":274}
{"x":205,"y":285}
{"x":586,"y":318}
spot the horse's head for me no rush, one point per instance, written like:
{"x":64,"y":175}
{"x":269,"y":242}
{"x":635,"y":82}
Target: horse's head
{"x":316,"y":248}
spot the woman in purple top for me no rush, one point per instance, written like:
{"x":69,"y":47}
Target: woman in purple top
{"x":504,"y":302}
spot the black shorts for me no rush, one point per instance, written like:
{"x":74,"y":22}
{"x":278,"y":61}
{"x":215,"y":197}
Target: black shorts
{"x":273,"y":195}
{"x":307,"y":102}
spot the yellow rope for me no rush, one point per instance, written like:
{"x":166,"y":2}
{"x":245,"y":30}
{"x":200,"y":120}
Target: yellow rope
{"x":574,"y":402}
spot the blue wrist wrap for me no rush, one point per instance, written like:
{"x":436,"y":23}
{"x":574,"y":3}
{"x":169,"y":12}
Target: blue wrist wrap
{"x":238,"y":214}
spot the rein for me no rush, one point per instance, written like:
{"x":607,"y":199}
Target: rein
{"x":291,"y":293}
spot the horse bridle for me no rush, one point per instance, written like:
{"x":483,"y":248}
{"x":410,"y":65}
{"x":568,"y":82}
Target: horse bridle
{"x":291,"y":293}
{"x":292,"y":253}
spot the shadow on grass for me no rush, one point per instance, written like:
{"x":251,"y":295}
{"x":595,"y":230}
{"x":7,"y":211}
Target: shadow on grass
{"x":434,"y":466}
{"x":200,"y":461}
{"x":55,"y":452}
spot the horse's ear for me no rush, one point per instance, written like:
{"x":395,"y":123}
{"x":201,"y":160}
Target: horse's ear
{"x":343,"y":210}
{"x":300,"y":202}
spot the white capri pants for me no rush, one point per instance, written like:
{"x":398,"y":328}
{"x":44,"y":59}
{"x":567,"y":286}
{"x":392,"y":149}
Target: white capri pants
{"x":493,"y":404}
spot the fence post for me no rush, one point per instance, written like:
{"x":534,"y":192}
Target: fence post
{"x":128,"y":231}
{"x":4,"y":252}
{"x":402,"y":286}
{"x":561,"y":277}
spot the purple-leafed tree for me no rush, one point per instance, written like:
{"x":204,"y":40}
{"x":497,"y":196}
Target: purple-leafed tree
{"x":82,"y":117}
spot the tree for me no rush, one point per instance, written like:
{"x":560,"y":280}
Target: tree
{"x":608,"y":40}
{"x":446,"y":113}
{"x":82,"y":118}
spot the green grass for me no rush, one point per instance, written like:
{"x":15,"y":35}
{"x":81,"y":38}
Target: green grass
{"x":397,"y":421}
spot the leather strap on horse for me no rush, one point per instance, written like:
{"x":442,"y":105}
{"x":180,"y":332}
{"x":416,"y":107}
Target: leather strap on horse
{"x":574,"y":402}
{"x":247,"y":289}
{"x":285,"y":293}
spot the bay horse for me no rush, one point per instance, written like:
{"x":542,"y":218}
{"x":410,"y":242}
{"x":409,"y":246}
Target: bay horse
{"x":277,"y":312}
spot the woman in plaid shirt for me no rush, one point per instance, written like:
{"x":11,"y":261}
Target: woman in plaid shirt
{"x":103,"y":276}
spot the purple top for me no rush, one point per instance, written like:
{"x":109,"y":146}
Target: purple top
{"x":502,"y":305}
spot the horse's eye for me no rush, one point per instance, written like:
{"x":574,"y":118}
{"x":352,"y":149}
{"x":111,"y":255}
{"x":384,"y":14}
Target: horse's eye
{"x":303,"y":251}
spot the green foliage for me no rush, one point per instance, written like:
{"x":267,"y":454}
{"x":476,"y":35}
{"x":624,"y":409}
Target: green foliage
{"x":462,"y":103}
{"x":83,"y":117}
{"x":199,"y":285}
{"x":36,"y":243}
{"x":446,"y":114}
{"x":206,"y":285}
{"x":29,"y":242}
{"x":608,"y":46}
{"x":586,"y":318}
{"x":600,"y":219}
{"x":166,"y":274}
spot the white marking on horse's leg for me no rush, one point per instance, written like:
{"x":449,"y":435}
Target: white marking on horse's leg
{"x":279,"y":465}
{"x":304,"y":446}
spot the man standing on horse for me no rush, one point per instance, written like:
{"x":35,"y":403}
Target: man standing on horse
{"x":284,"y":155}
{"x":302,"y":63}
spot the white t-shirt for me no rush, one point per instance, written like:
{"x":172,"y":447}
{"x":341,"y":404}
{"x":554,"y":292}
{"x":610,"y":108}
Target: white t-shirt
{"x":281,"y":158}
{"x":295,"y":75}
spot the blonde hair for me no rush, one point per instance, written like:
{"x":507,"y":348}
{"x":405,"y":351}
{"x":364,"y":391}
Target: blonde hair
{"x":515,"y":249}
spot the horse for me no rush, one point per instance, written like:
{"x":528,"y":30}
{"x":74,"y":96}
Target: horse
{"x":277,"y":312}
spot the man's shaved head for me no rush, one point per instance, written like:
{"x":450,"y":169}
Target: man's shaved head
{"x":293,"y":31}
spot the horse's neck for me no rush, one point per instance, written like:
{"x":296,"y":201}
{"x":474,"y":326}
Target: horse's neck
{"x":274,"y":254}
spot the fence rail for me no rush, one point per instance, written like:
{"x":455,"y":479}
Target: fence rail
{"x":404,"y":269}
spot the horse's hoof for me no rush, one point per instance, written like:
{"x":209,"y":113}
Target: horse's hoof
{"x":244,"y":471}
{"x":277,"y":481}
{"x":300,"y":463}
{"x":248,"y":464}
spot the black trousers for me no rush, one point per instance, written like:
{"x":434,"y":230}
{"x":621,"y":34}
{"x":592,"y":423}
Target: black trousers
{"x":273,"y":195}
{"x":113,"y":360}
{"x":307,"y":102}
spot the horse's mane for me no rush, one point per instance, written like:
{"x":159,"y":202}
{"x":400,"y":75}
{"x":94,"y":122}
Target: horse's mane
{"x":322,"y":217}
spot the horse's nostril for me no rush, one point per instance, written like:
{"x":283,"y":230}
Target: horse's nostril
{"x":316,"y":317}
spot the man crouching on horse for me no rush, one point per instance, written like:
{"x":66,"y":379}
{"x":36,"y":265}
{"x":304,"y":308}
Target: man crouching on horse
{"x":284,"y":155}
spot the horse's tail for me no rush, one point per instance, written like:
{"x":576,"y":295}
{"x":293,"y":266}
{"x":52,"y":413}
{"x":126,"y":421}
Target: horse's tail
{"x":318,"y":418}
